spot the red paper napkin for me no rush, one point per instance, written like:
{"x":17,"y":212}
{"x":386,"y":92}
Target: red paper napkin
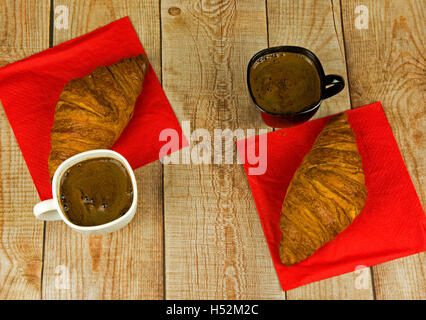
{"x":392,"y":224}
{"x":30,"y":88}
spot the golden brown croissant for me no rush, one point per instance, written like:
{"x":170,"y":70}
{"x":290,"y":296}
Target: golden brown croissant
{"x":326,"y":193}
{"x":92,"y":111}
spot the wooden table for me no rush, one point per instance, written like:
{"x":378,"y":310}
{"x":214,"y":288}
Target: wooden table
{"x":197,"y":234}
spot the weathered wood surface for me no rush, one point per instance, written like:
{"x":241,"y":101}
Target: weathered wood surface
{"x":213,"y":242}
{"x":127,"y":264}
{"x":215,"y":248}
{"x":315,"y":25}
{"x":386,"y":63}
{"x":24,"y":30}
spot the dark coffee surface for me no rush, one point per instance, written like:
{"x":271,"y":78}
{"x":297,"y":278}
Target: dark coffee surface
{"x":95,"y":191}
{"x":285,"y":83}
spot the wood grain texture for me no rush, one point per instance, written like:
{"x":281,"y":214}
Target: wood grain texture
{"x":316,"y":25}
{"x":127,"y":264}
{"x":386,"y":63}
{"x":215,"y":247}
{"x":24,"y":30}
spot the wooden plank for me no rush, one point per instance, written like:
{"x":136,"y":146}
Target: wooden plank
{"x":386,"y":63}
{"x":24,"y":30}
{"x":316,"y":25}
{"x":127,"y":264}
{"x":215,"y":248}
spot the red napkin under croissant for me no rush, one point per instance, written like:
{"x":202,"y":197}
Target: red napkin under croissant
{"x":391,"y":225}
{"x":30,"y":89}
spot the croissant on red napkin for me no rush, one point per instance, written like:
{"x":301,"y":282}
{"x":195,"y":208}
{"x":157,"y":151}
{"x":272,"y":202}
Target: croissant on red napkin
{"x":92,"y":111}
{"x":326,"y":193}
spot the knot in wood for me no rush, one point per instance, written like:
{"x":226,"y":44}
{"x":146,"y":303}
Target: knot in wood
{"x":174,"y":11}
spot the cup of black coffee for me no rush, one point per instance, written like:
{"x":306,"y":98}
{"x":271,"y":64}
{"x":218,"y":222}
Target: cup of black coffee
{"x":287,"y":84}
{"x":93,"y":192}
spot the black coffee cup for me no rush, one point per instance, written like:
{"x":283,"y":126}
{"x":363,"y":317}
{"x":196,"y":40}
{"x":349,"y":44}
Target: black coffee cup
{"x":330,"y":85}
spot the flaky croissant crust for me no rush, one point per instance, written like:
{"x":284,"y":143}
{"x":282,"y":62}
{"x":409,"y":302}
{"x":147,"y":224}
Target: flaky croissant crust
{"x":92,"y":111}
{"x":326,"y":193}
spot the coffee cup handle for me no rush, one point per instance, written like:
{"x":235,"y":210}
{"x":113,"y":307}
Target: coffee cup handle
{"x":335,"y":83}
{"x":46,"y":210}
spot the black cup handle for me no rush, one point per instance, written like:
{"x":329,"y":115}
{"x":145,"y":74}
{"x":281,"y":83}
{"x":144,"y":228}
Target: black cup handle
{"x":335,"y":83}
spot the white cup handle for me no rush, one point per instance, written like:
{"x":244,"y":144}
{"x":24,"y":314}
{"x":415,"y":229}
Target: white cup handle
{"x":46,"y":210}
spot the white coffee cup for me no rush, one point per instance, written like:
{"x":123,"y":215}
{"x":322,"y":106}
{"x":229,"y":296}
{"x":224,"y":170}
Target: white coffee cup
{"x":50,"y":210}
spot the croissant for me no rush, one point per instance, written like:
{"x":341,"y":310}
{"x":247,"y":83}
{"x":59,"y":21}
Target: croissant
{"x":92,"y":111}
{"x":326,"y":193}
